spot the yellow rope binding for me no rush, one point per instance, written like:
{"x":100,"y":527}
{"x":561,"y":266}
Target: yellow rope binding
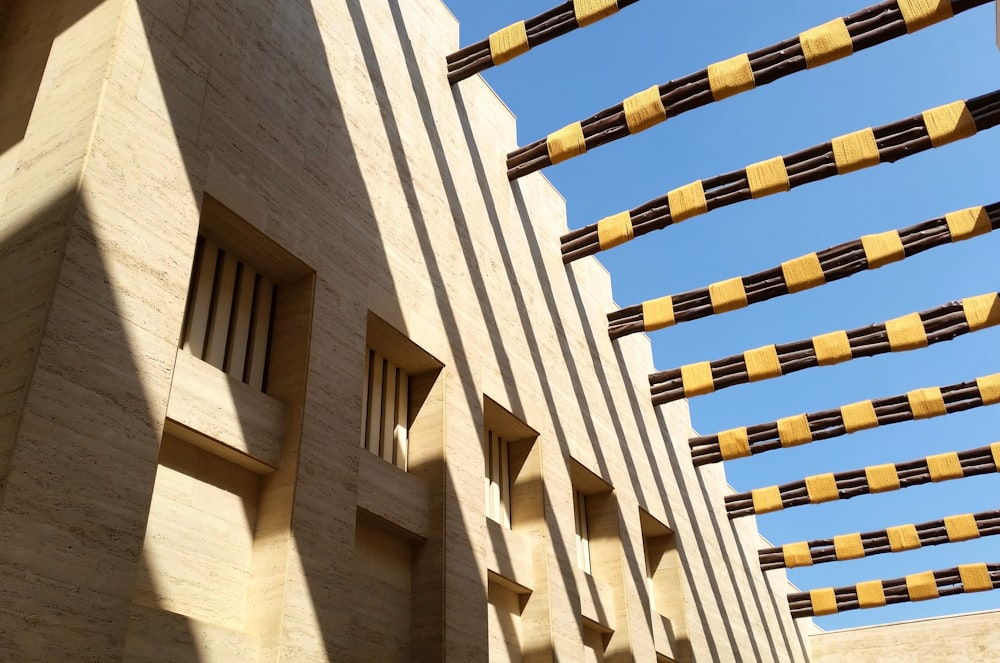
{"x":975,"y":577}
{"x":961,"y":528}
{"x":658,"y":313}
{"x":644,"y":110}
{"x":734,"y":443}
{"x":614,"y":230}
{"x":871,"y":594}
{"x":793,"y":431}
{"x":687,"y":201}
{"x":903,"y":537}
{"x":848,"y":546}
{"x":883,"y":248}
{"x":824,"y":601}
{"x":822,"y":488}
{"x":767,"y":177}
{"x":967,"y":223}
{"x":697,"y":379}
{"x":803,"y":273}
{"x":832,"y":348}
{"x":796,"y":554}
{"x":859,"y":416}
{"x":982,"y":311}
{"x":989,"y":389}
{"x":507,"y":44}
{"x":566,"y":143}
{"x":730,"y":77}
{"x":921,"y":586}
{"x":882,"y":478}
{"x":766,"y":500}
{"x":906,"y":333}
{"x":995,"y":450}
{"x":727,"y":295}
{"x":945,"y":466}
{"x":826,"y":43}
{"x":926,"y":403}
{"x":918,"y":14}
{"x":948,"y":123}
{"x":855,"y":151}
{"x":762,"y":363}
{"x":592,"y":11}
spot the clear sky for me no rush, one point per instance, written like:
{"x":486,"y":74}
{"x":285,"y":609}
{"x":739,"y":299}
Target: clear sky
{"x":655,"y":41}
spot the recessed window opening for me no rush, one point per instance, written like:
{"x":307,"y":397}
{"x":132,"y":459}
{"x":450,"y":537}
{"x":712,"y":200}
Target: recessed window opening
{"x":386,"y":410}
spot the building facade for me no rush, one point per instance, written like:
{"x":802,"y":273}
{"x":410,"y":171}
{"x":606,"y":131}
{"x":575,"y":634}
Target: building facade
{"x":290,"y":370}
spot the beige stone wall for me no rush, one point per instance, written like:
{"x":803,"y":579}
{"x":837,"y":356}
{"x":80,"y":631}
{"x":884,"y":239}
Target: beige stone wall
{"x":968,"y":638}
{"x":327,"y":128}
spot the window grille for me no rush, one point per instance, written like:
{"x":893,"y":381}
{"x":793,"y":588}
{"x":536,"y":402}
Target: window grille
{"x":497,"y":479}
{"x":385,"y":413}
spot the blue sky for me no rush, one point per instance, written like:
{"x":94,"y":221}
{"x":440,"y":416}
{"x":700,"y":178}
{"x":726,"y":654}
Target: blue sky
{"x":655,"y":41}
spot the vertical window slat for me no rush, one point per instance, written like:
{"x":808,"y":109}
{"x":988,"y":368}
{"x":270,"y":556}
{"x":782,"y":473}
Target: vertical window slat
{"x":488,"y":467}
{"x":582,"y":532}
{"x":366,"y":398}
{"x":402,"y":421}
{"x":504,"y":484}
{"x":236,"y":357}
{"x":200,"y":304}
{"x":388,"y":412}
{"x":261,"y":328}
{"x":222,"y":308}
{"x":375,"y":404}
{"x":495,"y":478}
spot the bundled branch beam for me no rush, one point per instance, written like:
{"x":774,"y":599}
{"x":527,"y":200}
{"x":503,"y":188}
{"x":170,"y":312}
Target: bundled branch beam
{"x":828,"y":42}
{"x":806,"y":428}
{"x":506,"y":44}
{"x":808,"y":271}
{"x":875,"y":479}
{"x":963,"y":579}
{"x":845,"y":154}
{"x":890,"y":540}
{"x":909,"y":332}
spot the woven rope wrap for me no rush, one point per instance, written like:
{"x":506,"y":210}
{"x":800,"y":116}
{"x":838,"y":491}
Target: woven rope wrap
{"x":883,"y":248}
{"x":989,"y":389}
{"x":767,"y":177}
{"x":766,"y":500}
{"x":822,"y":488}
{"x":727,"y":295}
{"x":591,"y":11}
{"x":982,"y":311}
{"x":921,"y":586}
{"x":803,"y":273}
{"x":882,"y":478}
{"x":508,"y":43}
{"x":918,"y":14}
{"x":734,"y":443}
{"x":824,"y":601}
{"x":826,"y":43}
{"x":855,"y":151}
{"x":871,"y":594}
{"x":566,"y":143}
{"x":966,"y":223}
{"x":797,"y":554}
{"x":614,"y":230}
{"x":859,"y":416}
{"x":906,"y":333}
{"x":961,"y":528}
{"x":643,"y":110}
{"x":945,"y":466}
{"x":995,"y":451}
{"x":975,"y":577}
{"x":793,"y":431}
{"x":926,"y":403}
{"x":730,"y":77}
{"x":831,"y":348}
{"x":687,"y":201}
{"x":658,"y":313}
{"x":697,"y":379}
{"x":903,"y":537}
{"x":762,"y":363}
{"x":848,"y":546}
{"x":948,"y":123}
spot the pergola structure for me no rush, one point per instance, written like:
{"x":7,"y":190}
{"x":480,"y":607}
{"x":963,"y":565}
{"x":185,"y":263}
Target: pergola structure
{"x":865,"y":148}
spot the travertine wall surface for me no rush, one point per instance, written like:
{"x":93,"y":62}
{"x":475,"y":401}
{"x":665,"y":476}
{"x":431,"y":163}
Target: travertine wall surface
{"x":329,"y":128}
{"x":969,"y":638}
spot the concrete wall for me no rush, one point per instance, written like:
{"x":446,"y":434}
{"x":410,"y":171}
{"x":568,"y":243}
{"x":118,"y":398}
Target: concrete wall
{"x":326,"y":130}
{"x":969,"y":638}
